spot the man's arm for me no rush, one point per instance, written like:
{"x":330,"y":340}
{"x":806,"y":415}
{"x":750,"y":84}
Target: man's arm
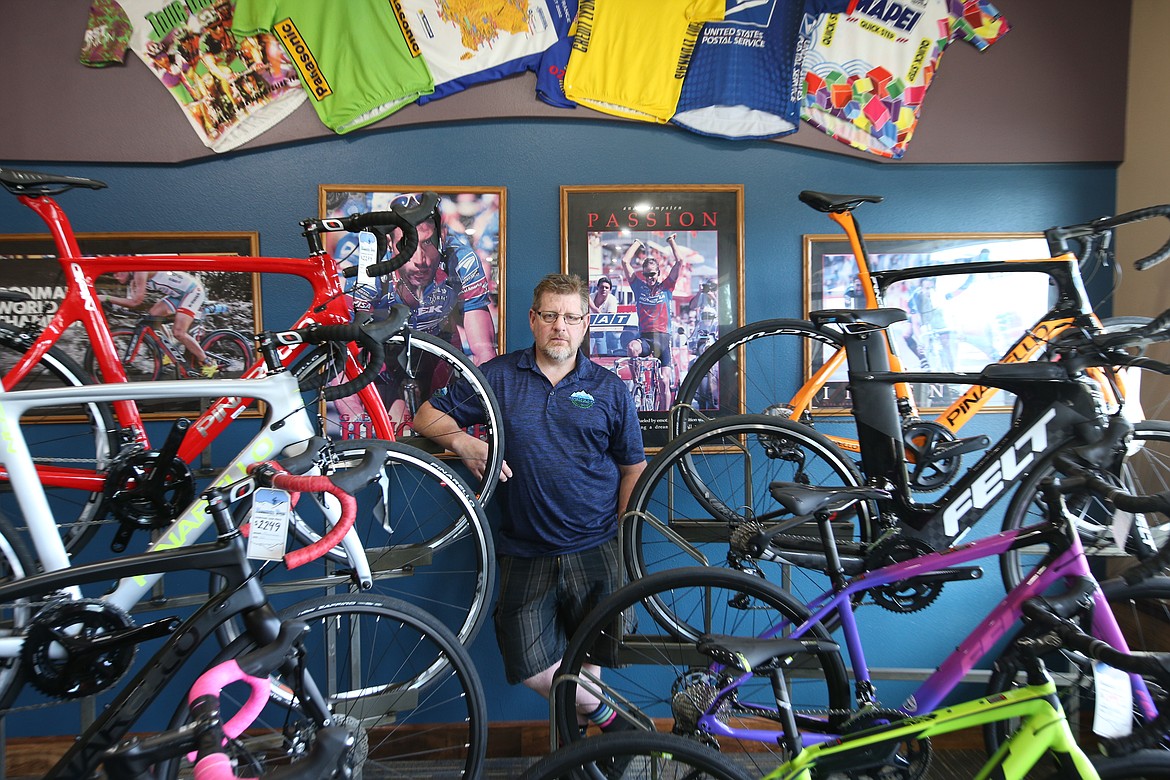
{"x":442,"y":429}
{"x":628,"y":257}
{"x":135,"y":292}
{"x":672,"y":276}
{"x":481,"y":334}
{"x":629,"y":477}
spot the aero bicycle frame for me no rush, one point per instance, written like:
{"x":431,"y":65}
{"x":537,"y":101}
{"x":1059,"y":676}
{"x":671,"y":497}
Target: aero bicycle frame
{"x":328,"y":306}
{"x":1052,"y":408}
{"x":1071,"y":307}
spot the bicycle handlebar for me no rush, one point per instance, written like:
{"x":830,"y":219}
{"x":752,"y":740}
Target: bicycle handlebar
{"x":401,"y":217}
{"x":1095,"y":234}
{"x":203,"y":739}
{"x":1045,"y":615}
{"x":371,"y":336}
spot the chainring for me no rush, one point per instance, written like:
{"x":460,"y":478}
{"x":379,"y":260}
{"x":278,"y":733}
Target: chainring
{"x":133,"y":500}
{"x":907,"y":595}
{"x":911,"y":760}
{"x":58,"y":654}
{"x":920,"y":439}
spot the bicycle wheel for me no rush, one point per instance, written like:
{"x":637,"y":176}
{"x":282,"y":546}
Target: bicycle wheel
{"x":702,"y":497}
{"x":73,"y":436}
{"x":1142,"y":765}
{"x":425,"y":536}
{"x":1143,"y":613}
{"x":16,"y":562}
{"x":1146,"y":470}
{"x":369,"y":654}
{"x":643,"y":754}
{"x":231,"y":352}
{"x":655,"y":676}
{"x":141,"y":358}
{"x":416,"y":364}
{"x":768,"y":356}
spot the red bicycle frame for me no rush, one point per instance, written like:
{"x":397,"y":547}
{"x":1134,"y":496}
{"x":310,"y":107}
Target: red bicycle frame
{"x":329,"y":306}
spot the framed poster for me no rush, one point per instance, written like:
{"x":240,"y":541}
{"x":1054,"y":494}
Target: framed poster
{"x":231,"y":300}
{"x":665,"y":272}
{"x":958,"y":321}
{"x":454,"y":283}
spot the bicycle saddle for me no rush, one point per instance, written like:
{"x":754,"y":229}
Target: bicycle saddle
{"x":33,"y":183}
{"x":879,"y":318}
{"x":826,"y":201}
{"x":751,"y":653}
{"x":810,"y":499}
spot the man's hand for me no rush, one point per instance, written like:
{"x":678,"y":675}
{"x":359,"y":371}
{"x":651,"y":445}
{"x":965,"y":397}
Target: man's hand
{"x":474,"y":454}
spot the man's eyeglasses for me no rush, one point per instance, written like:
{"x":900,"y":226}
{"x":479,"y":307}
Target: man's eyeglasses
{"x":549,"y":317}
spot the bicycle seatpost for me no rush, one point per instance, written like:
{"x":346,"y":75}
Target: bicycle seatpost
{"x":875,"y":403}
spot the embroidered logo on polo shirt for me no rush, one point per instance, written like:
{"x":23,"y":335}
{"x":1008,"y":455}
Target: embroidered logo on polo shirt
{"x":582,"y":400}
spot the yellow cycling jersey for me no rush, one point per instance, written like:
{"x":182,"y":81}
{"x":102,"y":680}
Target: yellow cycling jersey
{"x":630,"y":56}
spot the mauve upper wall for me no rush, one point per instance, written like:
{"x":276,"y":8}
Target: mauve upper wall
{"x":1052,"y":90}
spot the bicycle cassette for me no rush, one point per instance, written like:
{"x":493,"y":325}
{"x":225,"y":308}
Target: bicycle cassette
{"x":908,"y":595}
{"x":63,"y":655}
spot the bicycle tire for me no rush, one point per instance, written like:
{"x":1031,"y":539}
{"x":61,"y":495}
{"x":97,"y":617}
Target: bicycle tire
{"x":16,"y":562}
{"x":646,"y":754}
{"x":1143,"y":613}
{"x":439,"y":555}
{"x":141,"y":358}
{"x":1146,"y":470}
{"x":70,"y":435}
{"x":232,"y":352}
{"x":414,"y":352}
{"x":397,"y":721}
{"x":711,"y":483}
{"x":1142,"y":765}
{"x":654,"y":675}
{"x":766,"y":358}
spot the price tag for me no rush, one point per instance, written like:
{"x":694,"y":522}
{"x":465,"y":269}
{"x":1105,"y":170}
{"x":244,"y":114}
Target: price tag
{"x":268,"y":532}
{"x":1113,"y":715}
{"x":367,"y":256}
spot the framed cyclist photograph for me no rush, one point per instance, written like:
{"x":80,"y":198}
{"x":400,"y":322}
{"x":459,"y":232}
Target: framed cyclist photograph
{"x":454,"y":285}
{"x":959,"y":319}
{"x":165,"y":324}
{"x":665,"y":272}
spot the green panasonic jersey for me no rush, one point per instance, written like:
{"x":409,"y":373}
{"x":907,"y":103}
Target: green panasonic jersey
{"x":357,"y":59}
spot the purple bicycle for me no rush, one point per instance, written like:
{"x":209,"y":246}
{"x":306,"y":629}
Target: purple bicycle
{"x":657,"y":632}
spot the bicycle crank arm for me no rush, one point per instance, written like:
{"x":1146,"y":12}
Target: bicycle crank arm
{"x":136,"y":635}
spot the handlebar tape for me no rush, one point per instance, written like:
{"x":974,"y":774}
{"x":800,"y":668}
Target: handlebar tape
{"x":318,"y":484}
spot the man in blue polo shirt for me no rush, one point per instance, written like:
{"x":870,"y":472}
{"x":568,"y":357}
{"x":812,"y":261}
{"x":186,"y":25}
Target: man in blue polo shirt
{"x":574,"y":452}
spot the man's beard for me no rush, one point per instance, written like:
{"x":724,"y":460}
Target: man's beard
{"x":557,"y":353}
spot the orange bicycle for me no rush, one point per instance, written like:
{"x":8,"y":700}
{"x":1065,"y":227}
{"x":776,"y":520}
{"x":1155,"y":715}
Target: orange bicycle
{"x":760,"y":362}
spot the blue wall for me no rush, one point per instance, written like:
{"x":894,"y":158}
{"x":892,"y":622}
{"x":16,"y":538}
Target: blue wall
{"x":270,"y":190}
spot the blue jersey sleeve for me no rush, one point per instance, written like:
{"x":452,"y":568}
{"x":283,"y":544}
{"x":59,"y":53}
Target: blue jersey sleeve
{"x":473,"y":282}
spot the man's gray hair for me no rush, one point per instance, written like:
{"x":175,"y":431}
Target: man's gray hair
{"x":562,"y":284}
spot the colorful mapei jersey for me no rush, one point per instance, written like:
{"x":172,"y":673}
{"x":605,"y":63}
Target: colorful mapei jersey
{"x":231,"y":87}
{"x":629,"y":57}
{"x":467,"y":42}
{"x":745,"y":78}
{"x":653,"y":304}
{"x":868,"y":69}
{"x":358,"y":62}
{"x":460,"y":282}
